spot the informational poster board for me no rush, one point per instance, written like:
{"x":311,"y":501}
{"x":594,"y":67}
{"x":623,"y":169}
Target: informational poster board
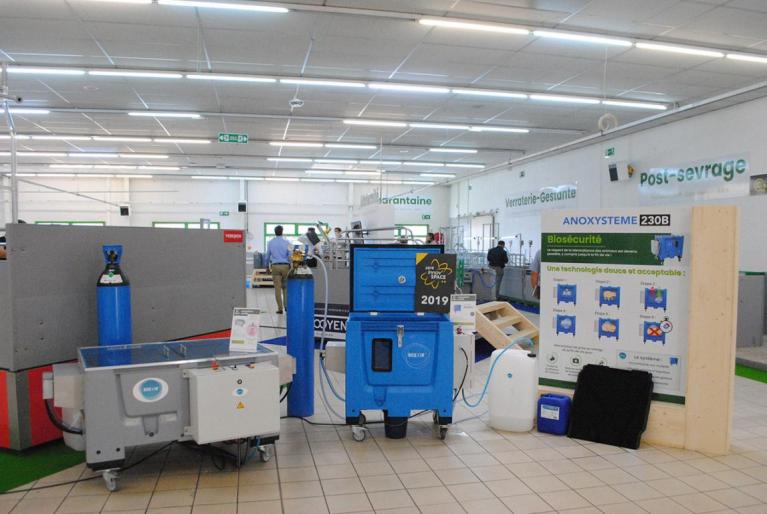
{"x":615,"y":292}
{"x":463,"y":313}
{"x":245,"y":329}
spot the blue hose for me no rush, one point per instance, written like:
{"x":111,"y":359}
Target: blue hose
{"x":490,"y":373}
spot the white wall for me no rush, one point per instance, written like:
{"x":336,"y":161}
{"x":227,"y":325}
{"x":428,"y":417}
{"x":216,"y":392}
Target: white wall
{"x":734,"y":131}
{"x":184,"y":199}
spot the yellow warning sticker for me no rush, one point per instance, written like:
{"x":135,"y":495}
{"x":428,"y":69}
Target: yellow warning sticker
{"x":240,"y":405}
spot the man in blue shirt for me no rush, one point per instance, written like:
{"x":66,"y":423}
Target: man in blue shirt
{"x":278,"y":261}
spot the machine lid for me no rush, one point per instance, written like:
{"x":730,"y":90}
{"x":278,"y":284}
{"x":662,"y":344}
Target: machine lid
{"x":152,"y":354}
{"x":382,"y":276}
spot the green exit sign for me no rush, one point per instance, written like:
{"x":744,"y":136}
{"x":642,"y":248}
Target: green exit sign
{"x":610,"y":152}
{"x":223,"y":213}
{"x":232,"y":138}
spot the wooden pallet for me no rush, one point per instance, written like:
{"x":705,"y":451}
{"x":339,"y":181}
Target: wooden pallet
{"x":261,"y":278}
{"x":500,"y":324}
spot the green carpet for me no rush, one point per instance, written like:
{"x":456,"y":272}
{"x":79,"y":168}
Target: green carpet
{"x":18,"y":468}
{"x":752,"y":373}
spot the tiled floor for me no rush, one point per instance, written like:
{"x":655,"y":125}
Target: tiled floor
{"x":476,"y":469}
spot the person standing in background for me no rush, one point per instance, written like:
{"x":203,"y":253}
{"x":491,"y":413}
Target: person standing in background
{"x":429,"y":239}
{"x":278,"y":262}
{"x":535,"y":274}
{"x":497,"y":259}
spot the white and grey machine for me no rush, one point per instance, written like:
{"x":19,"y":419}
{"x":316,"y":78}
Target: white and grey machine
{"x":141,"y":394}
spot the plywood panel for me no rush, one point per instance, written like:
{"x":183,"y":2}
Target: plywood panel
{"x":712,"y":328}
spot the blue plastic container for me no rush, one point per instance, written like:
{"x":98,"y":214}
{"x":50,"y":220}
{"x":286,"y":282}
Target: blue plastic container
{"x":553,"y":414}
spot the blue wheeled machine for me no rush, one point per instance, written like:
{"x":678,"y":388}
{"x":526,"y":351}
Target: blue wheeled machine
{"x":653,"y":332}
{"x":655,"y":298}
{"x":567,"y":293}
{"x":609,"y":327}
{"x":610,"y":295}
{"x":667,"y":246}
{"x":397,"y":360}
{"x":565,"y":324}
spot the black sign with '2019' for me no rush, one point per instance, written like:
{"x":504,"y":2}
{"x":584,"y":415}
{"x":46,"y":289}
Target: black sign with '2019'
{"x":435,"y":282}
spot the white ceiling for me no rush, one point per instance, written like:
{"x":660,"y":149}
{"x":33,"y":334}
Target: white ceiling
{"x":379,"y":40}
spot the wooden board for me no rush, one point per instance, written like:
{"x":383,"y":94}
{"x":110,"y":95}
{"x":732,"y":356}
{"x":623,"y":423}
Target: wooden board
{"x":712,"y":328}
{"x":500,"y":324}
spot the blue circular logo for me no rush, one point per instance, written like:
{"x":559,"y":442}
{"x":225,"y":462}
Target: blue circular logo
{"x":417,"y":355}
{"x":150,"y":390}
{"x":622,"y":355}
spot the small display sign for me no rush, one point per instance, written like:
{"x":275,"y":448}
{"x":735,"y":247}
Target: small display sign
{"x":232,"y":138}
{"x":463,"y":313}
{"x":435,"y":282}
{"x":245,"y":328}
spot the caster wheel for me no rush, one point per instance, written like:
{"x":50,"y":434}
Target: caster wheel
{"x":362,"y":420}
{"x":359,"y":433}
{"x":266,"y":453}
{"x":435,"y":417}
{"x":110,"y":480}
{"x":442,"y":432}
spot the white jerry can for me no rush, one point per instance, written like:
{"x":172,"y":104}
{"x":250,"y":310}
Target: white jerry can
{"x":513,"y":390}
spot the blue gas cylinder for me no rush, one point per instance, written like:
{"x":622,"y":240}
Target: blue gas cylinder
{"x":553,"y":414}
{"x":113,"y":303}
{"x":300,"y":307}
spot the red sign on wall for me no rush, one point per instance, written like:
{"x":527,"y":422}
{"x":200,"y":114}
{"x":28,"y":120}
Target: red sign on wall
{"x":233,"y":236}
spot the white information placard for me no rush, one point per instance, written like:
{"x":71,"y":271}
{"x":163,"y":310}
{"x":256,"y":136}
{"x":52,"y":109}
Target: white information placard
{"x":615,"y":292}
{"x":245,"y":329}
{"x":463,"y":313}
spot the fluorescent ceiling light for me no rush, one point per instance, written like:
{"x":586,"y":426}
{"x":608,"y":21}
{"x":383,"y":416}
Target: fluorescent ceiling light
{"x":319,"y":82}
{"x":446,"y":126}
{"x":17,"y":110}
{"x":288,"y":159}
{"x":324,"y":180}
{"x":461,"y":165}
{"x":636,"y":105}
{"x":57,"y":175}
{"x":160,"y":168}
{"x":251,"y":179}
{"x":124,"y":1}
{"x":136,"y":176}
{"x":123,"y":139}
{"x":336,"y":161}
{"x":92,"y":155}
{"x":181,"y":141}
{"x":229,"y":78}
{"x":747,"y":58}
{"x":452,"y":150}
{"x":495,"y":128}
{"x":17,"y":136}
{"x":351,"y":181}
{"x":391,"y":182}
{"x":281,"y":179}
{"x":582,"y":38}
{"x":362,"y":173}
{"x":351,"y":146}
{"x":296,"y":144}
{"x":408,"y":88}
{"x":376,"y":123}
{"x":564,"y":99}
{"x":32,"y":70}
{"x":142,"y":156}
{"x":467,"y":25}
{"x":62,"y":138}
{"x":113,"y":167}
{"x":41,"y":154}
{"x":70,"y":166}
{"x":323,"y":172}
{"x":135,"y":74}
{"x":679,"y":49}
{"x":381,"y":163}
{"x":422,"y":163}
{"x":161,"y":114}
{"x":209,"y":177}
{"x":418,"y":183}
{"x":437,"y":175}
{"x":22,"y":174}
{"x":488,"y":92}
{"x":225,"y":5}
{"x":94,"y":175}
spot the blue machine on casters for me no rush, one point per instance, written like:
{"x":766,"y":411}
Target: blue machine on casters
{"x":397,"y":360}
